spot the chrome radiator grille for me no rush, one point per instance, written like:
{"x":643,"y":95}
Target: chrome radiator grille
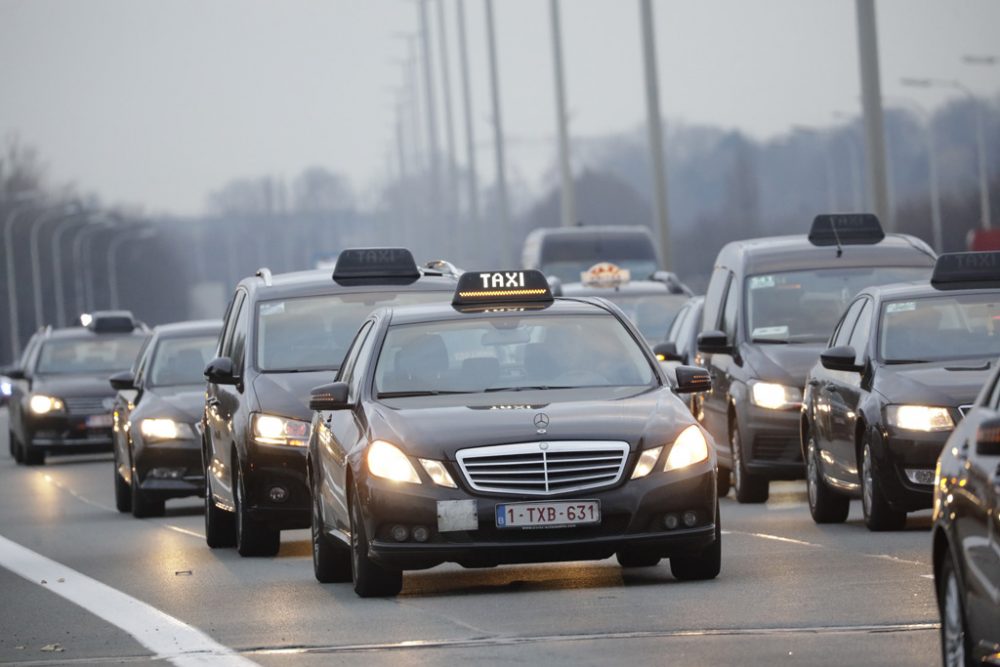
{"x":86,"y":405}
{"x":543,"y":468}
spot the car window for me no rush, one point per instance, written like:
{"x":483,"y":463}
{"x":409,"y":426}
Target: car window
{"x":140,"y":366}
{"x":359,"y":362}
{"x":846,"y":325}
{"x":652,"y":314}
{"x":859,"y":337}
{"x":181,"y":361}
{"x":713,"y":299}
{"x":87,"y":356}
{"x":678,"y":324}
{"x":993,"y":401}
{"x":729,"y":312}
{"x":237,"y":346}
{"x":225,"y":339}
{"x":940,"y":328}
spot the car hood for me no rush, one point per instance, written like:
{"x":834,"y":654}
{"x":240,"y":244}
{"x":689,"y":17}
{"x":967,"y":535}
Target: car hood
{"x":287,"y":394}
{"x":951,"y":383}
{"x":648,"y":419}
{"x":185,"y":402}
{"x":786,"y":364}
{"x":63,"y":386}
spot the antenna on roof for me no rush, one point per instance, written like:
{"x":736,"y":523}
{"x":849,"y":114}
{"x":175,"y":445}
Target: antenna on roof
{"x":264,"y":273}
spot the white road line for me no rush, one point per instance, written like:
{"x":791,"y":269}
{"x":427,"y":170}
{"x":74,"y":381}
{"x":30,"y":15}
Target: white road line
{"x":776,"y":538}
{"x":168,"y":638}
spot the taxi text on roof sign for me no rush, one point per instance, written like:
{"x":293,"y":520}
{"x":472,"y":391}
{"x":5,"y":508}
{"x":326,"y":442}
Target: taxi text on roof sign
{"x":846,"y":229}
{"x":967,"y":270}
{"x":353,"y":263}
{"x":493,"y":287}
{"x":605,"y":274}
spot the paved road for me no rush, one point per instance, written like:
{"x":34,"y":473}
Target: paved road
{"x":790,"y":593}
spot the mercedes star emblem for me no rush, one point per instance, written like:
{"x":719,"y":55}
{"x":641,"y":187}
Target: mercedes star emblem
{"x":541,"y":422}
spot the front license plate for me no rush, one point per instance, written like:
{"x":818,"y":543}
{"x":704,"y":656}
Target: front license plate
{"x":560,"y":514}
{"x":99,"y":421}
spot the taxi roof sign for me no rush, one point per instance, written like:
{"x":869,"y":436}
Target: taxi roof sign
{"x":502,"y":287}
{"x":605,"y":274}
{"x":372,"y":263}
{"x":842,"y":229}
{"x":967,"y":270}
{"x":110,"y":321}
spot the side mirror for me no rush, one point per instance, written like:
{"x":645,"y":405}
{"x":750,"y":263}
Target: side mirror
{"x":714,"y":342}
{"x":667,"y":351}
{"x":122,"y":381}
{"x":13,"y":372}
{"x":220,"y":371}
{"x":691,"y":380}
{"x":988,"y":438}
{"x":840,"y":359}
{"x":329,"y":397}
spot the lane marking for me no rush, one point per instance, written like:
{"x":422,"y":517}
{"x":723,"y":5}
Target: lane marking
{"x":776,"y":538}
{"x":168,"y":638}
{"x":649,"y":634}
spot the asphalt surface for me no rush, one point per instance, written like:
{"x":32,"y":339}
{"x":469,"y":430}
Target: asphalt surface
{"x":790,"y":593}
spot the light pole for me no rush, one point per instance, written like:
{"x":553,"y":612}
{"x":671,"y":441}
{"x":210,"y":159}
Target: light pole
{"x":565,"y":169}
{"x":23,"y":201}
{"x":927,"y":126}
{"x":854,"y":155}
{"x":432,"y":135}
{"x":470,"y":139}
{"x":498,"y":137}
{"x":654,"y":120}
{"x":118,"y":241}
{"x":85,"y":298}
{"x":871,"y":103}
{"x":62,"y":212}
{"x":57,"y":267}
{"x":984,"y":184}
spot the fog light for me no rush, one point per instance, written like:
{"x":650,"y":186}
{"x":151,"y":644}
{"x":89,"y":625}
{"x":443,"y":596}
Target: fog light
{"x":400,"y":533}
{"x":670,"y":521}
{"x":918,"y":476}
{"x":277,"y":494}
{"x":420,"y":533}
{"x":690,"y":518}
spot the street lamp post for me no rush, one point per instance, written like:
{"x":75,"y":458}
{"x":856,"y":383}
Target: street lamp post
{"x":8,"y":236}
{"x":117,"y":242}
{"x":654,"y":121}
{"x":62,"y":212}
{"x":84,"y":297}
{"x":57,"y":265}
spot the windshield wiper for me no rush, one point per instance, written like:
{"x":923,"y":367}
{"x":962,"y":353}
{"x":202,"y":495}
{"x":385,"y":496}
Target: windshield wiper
{"x":892,"y":362}
{"x":770,"y":341}
{"x":528,"y":387}
{"x":419,"y":392}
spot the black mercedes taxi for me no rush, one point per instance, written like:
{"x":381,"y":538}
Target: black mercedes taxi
{"x":156,"y":419}
{"x":966,"y":542}
{"x":770,"y":306}
{"x":507,"y":427}
{"x":902,"y":367}
{"x":283,"y":335}
{"x":61,"y":402}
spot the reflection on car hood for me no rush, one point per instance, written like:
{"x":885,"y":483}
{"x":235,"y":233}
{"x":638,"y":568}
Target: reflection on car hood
{"x":787,"y":364}
{"x":433,"y":430}
{"x":185,"y":402}
{"x":62,"y":386}
{"x":287,"y":394}
{"x":951,"y":383}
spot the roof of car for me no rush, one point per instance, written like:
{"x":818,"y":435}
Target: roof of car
{"x":83,"y":333}
{"x":320,"y":281}
{"x":188,"y":328}
{"x":919,"y":288}
{"x":439,"y":312}
{"x":638,"y":287}
{"x":795,"y":252}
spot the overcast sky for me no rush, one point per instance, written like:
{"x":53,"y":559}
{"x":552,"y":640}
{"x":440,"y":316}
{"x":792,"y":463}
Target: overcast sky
{"x":158,"y":103}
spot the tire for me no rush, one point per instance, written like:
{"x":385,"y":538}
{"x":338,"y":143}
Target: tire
{"x":331,"y":561}
{"x":10,"y":444}
{"x":370,"y":579}
{"x":703,"y":565}
{"x":724,"y":482}
{"x":31,"y":456}
{"x":123,"y":492}
{"x":628,"y":558}
{"x":253,"y":538}
{"x":955,"y":651}
{"x":825,"y":504}
{"x":16,"y":449}
{"x":142,"y":505}
{"x":750,"y":488}
{"x":879,"y":515}
{"x":220,"y":525}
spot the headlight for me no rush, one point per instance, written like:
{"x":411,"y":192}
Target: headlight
{"x":272,"y":430}
{"x":775,"y":396}
{"x":919,"y":418}
{"x":165,"y":429}
{"x":646,"y":462}
{"x":437,"y":472}
{"x":41,"y":404}
{"x":388,"y":462}
{"x":689,"y":448}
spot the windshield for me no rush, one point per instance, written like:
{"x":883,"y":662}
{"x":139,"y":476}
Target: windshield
{"x":651,"y":313}
{"x":181,"y":361}
{"x":90,"y":356}
{"x":940,"y":328}
{"x":313,"y":333}
{"x":510,"y":352}
{"x":804,"y":306}
{"x":570,"y":271}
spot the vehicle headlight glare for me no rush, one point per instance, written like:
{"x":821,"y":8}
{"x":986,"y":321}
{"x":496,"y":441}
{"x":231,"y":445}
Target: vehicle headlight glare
{"x":273,"y":430}
{"x":919,"y":418}
{"x":41,"y":404}
{"x":164,"y":429}
{"x":647,"y":460}
{"x":689,"y":448}
{"x":389,"y":462}
{"x":775,"y":396}
{"x":437,"y":472}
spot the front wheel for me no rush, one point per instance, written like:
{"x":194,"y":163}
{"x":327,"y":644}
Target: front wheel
{"x":954,"y":638}
{"x":220,"y":525}
{"x":16,"y":449}
{"x":142,"y":505}
{"x":750,"y":488}
{"x":331,"y":562}
{"x":705,"y":564}
{"x":123,"y":494}
{"x":370,"y":578}
{"x":879,"y":515}
{"x":825,"y":504}
{"x":253,"y":538}
{"x":31,"y":456}
{"x":724,"y":482}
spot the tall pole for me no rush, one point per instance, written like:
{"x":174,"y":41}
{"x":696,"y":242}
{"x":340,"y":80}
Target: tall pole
{"x":432,"y":138}
{"x":871,"y":102}
{"x":119,"y":240}
{"x":36,"y":269}
{"x":12,"y":304}
{"x":502,"y":205}
{"x":654,"y":120}
{"x":565,"y":170}
{"x":984,"y":181}
{"x":470,"y":137}
{"x":57,"y":267}
{"x":449,"y":126}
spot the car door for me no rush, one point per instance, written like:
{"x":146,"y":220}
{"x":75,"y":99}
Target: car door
{"x":126,"y":401}
{"x":821,"y":379}
{"x":846,"y":391}
{"x":222,"y":402}
{"x":714,"y":404}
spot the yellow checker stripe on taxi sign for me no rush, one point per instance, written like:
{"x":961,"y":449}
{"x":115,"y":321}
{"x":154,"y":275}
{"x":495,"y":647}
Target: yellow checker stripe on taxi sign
{"x":511,"y":292}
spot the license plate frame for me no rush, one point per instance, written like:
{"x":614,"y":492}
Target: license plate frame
{"x":99,"y":421}
{"x":523,"y":515}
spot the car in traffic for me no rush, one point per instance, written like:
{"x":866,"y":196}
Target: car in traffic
{"x":966,"y":531}
{"x":60,"y":401}
{"x":566,"y":252}
{"x":156,"y":418}
{"x":902,"y":367}
{"x":651,"y":303}
{"x":283,"y":335}
{"x":770,"y":306}
{"x":507,"y":427}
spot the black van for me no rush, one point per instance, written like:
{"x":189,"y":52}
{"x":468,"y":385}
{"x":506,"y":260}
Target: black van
{"x":770,"y":307}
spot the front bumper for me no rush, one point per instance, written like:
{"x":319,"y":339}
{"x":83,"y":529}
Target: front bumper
{"x":908,"y":450}
{"x":771,"y":441}
{"x":171,"y":469}
{"x":276,"y":466}
{"x":631,"y":517}
{"x":66,"y":434}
